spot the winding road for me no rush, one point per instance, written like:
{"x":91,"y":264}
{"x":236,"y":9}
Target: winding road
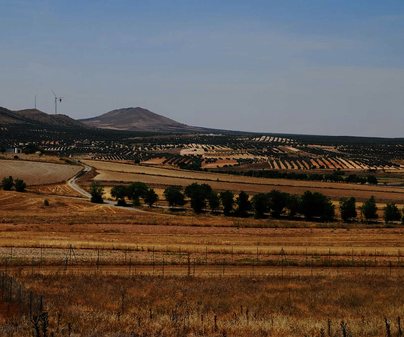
{"x":72,"y":182}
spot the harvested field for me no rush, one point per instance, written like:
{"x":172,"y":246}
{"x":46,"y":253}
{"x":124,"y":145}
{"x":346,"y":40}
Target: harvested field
{"x":37,"y":173}
{"x":60,"y":207}
{"x":55,"y":189}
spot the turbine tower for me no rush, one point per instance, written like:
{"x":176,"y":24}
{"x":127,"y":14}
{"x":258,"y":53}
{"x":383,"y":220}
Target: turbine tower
{"x":57,"y":99}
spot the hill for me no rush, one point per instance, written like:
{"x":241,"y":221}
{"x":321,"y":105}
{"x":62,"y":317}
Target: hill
{"x":34,"y":117}
{"x":138,"y":119}
{"x":7,"y":117}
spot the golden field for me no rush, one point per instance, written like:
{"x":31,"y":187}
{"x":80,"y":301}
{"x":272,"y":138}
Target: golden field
{"x":100,"y":270}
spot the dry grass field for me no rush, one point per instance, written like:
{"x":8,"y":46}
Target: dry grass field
{"x":99,"y":270}
{"x":157,"y":177}
{"x":37,"y":173}
{"x":102,"y":305}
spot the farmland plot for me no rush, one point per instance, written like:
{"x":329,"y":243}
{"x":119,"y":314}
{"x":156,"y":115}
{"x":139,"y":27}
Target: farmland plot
{"x":37,"y":173}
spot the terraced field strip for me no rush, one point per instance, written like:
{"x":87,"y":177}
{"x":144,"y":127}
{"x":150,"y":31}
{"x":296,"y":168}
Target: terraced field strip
{"x":275,"y":165}
{"x":314,"y":163}
{"x":344,"y":163}
{"x":332,"y":163}
{"x":159,"y":177}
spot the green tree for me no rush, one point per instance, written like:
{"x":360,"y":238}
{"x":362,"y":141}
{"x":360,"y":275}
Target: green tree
{"x":150,"y":197}
{"x":369,"y":209}
{"x":372,"y":180}
{"x":97,"y":192}
{"x":391,"y":213}
{"x":135,"y":191}
{"x":402,"y":219}
{"x":119,"y":192}
{"x":227,"y":199}
{"x":260,"y":205}
{"x":315,"y":204}
{"x":31,"y":148}
{"x":277,"y":202}
{"x":20,"y":185}
{"x":174,"y":196}
{"x":328,"y":211}
{"x":347,"y":208}
{"x":243,"y":204}
{"x":293,"y":205}
{"x":199,"y":195}
{"x":7,"y":183}
{"x":214,"y":201}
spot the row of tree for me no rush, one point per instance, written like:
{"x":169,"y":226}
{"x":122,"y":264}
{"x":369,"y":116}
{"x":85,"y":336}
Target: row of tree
{"x":335,"y":176}
{"x":8,"y":184}
{"x":133,"y":192}
{"x":276,"y":203}
{"x":310,"y":205}
{"x":369,"y":210}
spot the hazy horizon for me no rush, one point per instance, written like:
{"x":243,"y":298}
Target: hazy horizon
{"x":323,"y":67}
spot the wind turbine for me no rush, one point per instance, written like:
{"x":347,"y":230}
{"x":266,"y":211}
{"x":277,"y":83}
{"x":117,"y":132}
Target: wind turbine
{"x":57,"y":99}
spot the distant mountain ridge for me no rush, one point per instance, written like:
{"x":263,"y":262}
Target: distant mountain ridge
{"x":35,"y":117}
{"x":138,"y":119}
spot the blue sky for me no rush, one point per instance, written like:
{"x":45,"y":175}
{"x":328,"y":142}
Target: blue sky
{"x":319,"y":67}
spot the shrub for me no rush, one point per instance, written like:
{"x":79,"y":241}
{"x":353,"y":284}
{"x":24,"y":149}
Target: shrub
{"x":31,"y":148}
{"x":293,"y":204}
{"x":227,"y":199}
{"x":20,"y":185}
{"x":347,"y":208}
{"x":174,"y":196}
{"x":391,"y":213}
{"x":371,"y":180}
{"x":214,"y":201}
{"x":7,"y":183}
{"x":243,"y":204}
{"x":150,"y":197}
{"x":260,"y":204}
{"x":369,"y":209}
{"x":121,"y":202}
{"x":97,"y":192}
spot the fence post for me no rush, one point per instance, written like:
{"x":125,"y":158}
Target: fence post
{"x":189,"y":264}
